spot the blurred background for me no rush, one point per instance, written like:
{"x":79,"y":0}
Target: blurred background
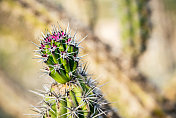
{"x":131,"y":46}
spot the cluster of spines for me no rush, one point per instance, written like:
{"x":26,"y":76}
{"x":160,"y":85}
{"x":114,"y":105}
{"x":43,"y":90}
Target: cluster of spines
{"x":73,"y":94}
{"x":71,"y":100}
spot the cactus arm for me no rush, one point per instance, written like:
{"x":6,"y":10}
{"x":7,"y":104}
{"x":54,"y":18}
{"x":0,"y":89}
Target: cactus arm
{"x":72,"y":95}
{"x":135,"y":20}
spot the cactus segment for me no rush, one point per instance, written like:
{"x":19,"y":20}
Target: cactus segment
{"x":61,"y":55}
{"x":71,"y":100}
{"x":73,"y":94}
{"x":135,"y":22}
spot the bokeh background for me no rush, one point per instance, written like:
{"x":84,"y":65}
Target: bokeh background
{"x":131,"y":49}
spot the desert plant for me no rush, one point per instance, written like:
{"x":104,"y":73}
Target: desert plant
{"x":135,"y":26}
{"x":73,"y":94}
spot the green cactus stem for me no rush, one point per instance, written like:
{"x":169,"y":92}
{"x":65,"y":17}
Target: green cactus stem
{"x":73,"y":94}
{"x":136,"y":26}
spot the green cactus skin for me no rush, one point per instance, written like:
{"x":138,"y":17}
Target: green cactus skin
{"x":136,"y":26}
{"x":73,"y":94}
{"x":60,"y":53}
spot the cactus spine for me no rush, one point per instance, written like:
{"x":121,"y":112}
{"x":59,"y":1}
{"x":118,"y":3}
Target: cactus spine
{"x":136,"y":26}
{"x":73,"y":94}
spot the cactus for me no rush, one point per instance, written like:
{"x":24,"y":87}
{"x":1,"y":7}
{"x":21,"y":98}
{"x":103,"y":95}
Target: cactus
{"x":73,"y":94}
{"x":136,"y":26}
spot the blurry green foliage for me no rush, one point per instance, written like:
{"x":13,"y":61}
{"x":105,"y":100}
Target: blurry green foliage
{"x":170,"y":5}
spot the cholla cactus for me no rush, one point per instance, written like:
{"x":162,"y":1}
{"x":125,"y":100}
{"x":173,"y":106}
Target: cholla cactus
{"x":73,"y":94}
{"x":136,"y":26}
